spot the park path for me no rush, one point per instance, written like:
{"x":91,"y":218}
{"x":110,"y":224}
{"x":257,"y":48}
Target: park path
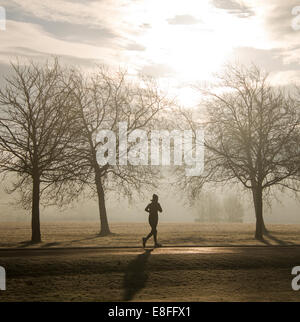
{"x":262,"y":250}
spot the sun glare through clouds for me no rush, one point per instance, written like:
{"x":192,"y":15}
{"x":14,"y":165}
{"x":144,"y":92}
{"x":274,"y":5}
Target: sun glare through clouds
{"x":186,"y":41}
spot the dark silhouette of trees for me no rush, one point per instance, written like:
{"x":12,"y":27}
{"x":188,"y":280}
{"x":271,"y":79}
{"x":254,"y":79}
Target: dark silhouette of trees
{"x":50,"y":118}
{"x":101,"y":101}
{"x":251,"y":136}
{"x":35,"y":131}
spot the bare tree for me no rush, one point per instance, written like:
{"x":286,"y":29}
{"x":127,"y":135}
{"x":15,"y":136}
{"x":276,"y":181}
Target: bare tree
{"x":251,"y":136}
{"x":35,"y":119}
{"x":101,"y":101}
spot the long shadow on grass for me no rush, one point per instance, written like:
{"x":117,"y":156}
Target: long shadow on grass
{"x":71,"y":242}
{"x":274,"y":239}
{"x":277,"y":240}
{"x":28,"y":243}
{"x":135,"y":276}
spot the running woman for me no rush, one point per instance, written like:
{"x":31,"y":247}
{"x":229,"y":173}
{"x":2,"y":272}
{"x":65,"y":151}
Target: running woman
{"x":153,"y":208}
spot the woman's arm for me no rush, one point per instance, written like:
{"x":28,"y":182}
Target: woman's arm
{"x":147,"y":208}
{"x":159,"y":208}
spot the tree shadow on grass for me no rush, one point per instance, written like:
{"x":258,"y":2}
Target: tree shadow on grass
{"x":26,"y":243}
{"x":135,"y":276}
{"x":70,"y":242}
{"x":264,"y":241}
{"x":29,"y":243}
{"x":277,"y":240}
{"x":51,"y":244}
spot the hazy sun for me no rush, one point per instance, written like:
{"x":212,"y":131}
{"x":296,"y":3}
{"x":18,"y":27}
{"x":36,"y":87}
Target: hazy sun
{"x":188,"y":40}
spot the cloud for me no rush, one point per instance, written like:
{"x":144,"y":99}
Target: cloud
{"x":157,"y":70}
{"x":108,"y":27}
{"x":268,"y":59}
{"x":24,"y":55}
{"x":234,"y":7}
{"x":183,"y":20}
{"x":292,"y":55}
{"x":278,"y":19}
{"x":32,"y":37}
{"x":147,"y":35}
{"x":285,"y":78}
{"x":281,"y":72}
{"x":135,"y":47}
{"x":145,"y":25}
{"x":79,"y":12}
{"x":89,"y":34}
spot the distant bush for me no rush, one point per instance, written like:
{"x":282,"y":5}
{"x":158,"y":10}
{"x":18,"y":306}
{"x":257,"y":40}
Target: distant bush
{"x":211,"y":208}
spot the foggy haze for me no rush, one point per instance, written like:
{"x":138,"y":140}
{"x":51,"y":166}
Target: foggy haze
{"x":284,"y":211}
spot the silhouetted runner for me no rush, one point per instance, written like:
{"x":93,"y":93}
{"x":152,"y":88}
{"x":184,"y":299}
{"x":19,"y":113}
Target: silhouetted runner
{"x":153,"y":209}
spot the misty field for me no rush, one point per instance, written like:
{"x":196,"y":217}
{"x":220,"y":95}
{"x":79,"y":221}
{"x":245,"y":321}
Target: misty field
{"x":85,"y":234}
{"x":174,"y":273}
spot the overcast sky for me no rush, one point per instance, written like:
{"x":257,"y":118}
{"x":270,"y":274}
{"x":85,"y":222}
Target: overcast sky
{"x":178,"y":41}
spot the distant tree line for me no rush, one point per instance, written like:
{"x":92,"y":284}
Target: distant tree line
{"x":213,"y":209}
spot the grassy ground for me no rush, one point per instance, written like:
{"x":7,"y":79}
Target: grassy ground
{"x":85,"y":234}
{"x":166,"y":274}
{"x":233,"y":274}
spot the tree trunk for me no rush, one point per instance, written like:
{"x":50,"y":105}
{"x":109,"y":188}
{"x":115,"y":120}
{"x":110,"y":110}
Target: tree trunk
{"x":264,"y":229}
{"x":35,"y":216}
{"x":104,"y":227}
{"x":258,"y":205}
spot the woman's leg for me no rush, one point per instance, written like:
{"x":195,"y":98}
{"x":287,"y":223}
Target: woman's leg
{"x":151,"y":232}
{"x":153,"y":223}
{"x":149,"y":235}
{"x":155,"y":235}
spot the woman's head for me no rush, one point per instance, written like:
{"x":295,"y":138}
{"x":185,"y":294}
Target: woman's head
{"x":154,"y":198}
